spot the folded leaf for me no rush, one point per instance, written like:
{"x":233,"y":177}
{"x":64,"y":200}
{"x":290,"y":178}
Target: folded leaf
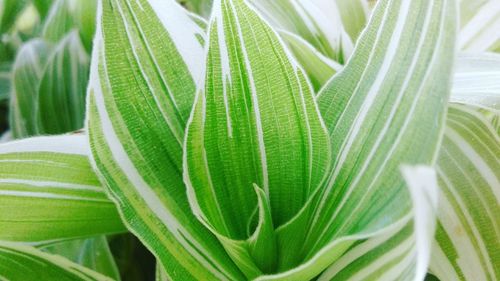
{"x":26,"y":263}
{"x":317,"y":21}
{"x":49,"y":192}
{"x":383,"y":109}
{"x":401,"y":252}
{"x":61,"y":93}
{"x":147,"y":59}
{"x":27,"y":73}
{"x":92,"y":253}
{"x":467,"y":245}
{"x":480,"y":25}
{"x":319,"y":68}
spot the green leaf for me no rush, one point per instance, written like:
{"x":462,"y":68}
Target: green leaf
{"x":27,"y":73}
{"x":137,"y":115}
{"x":84,"y":13}
{"x":5,"y":80}
{"x":401,"y":252}
{"x":92,"y":253}
{"x":382,"y":110}
{"x":467,"y":243}
{"x":9,"y":11}
{"x":319,"y":68}
{"x":43,"y":6}
{"x":59,"y":21}
{"x":480,"y":25}
{"x":317,"y":21}
{"x":61,"y":94}
{"x":254,"y":123}
{"x":354,"y":14}
{"x":201,"y":7}
{"x":26,"y":263}
{"x":49,"y":192}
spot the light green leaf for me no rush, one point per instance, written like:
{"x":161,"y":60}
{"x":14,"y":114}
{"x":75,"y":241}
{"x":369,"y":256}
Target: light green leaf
{"x":84,"y":13}
{"x":26,"y":263}
{"x":27,"y":73}
{"x":43,"y":6}
{"x":61,"y":97}
{"x":401,"y":252}
{"x":59,"y":21}
{"x":201,"y":7}
{"x":92,"y":253}
{"x":317,"y":21}
{"x":48,"y":192}
{"x":319,"y":68}
{"x":354,"y":14}
{"x":382,"y":110}
{"x":137,"y":115}
{"x":480,"y":25}
{"x":467,"y":245}
{"x":9,"y":11}
{"x":241,"y":133}
{"x":5,"y":80}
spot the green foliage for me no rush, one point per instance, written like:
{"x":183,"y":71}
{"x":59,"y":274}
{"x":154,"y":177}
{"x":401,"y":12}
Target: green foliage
{"x":279,"y":140}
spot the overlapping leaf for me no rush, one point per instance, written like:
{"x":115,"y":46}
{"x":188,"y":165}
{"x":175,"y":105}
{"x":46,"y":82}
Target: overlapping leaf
{"x":316,"y":21}
{"x":51,"y":181}
{"x":26,"y":263}
{"x":467,"y":243}
{"x":480,"y":24}
{"x":147,"y":58}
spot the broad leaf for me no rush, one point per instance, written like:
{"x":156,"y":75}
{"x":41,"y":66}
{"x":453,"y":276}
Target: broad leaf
{"x":61,"y":93}
{"x":256,"y":148}
{"x":382,"y":110}
{"x":319,"y":68}
{"x":26,"y":263}
{"x":467,"y":243}
{"x":92,"y":253}
{"x":59,"y":21}
{"x":27,"y":73}
{"x":49,"y":192}
{"x":147,"y":58}
{"x":354,"y":14}
{"x":317,"y":21}
{"x":401,"y":252}
{"x":480,"y":24}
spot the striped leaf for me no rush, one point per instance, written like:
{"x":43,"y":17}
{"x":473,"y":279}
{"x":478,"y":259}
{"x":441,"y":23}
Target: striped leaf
{"x":26,"y":263}
{"x":27,"y":73}
{"x":92,"y":253}
{"x":317,"y":21}
{"x":9,"y":12}
{"x":137,"y":114}
{"x":467,"y":245}
{"x":61,"y":93}
{"x":49,"y":192}
{"x":354,"y":14}
{"x":401,"y":252}
{"x":43,"y":6}
{"x":255,"y":128}
{"x":59,"y":21}
{"x":319,"y":68}
{"x":382,"y":110}
{"x":480,"y":24}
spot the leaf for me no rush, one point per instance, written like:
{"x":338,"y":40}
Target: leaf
{"x":43,"y":6}
{"x":9,"y":11}
{"x":480,"y":25}
{"x":316,"y":21}
{"x":382,"y":110}
{"x":84,"y":13}
{"x":27,"y":263}
{"x":5,"y":77}
{"x":59,"y":21}
{"x":254,"y":124}
{"x":354,"y":14}
{"x":200,"y":7}
{"x":137,"y":114}
{"x":467,"y":243}
{"x":92,"y":253}
{"x":319,"y":68}
{"x":401,"y":252}
{"x":27,"y":73}
{"x":61,"y":98}
{"x":51,"y":181}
